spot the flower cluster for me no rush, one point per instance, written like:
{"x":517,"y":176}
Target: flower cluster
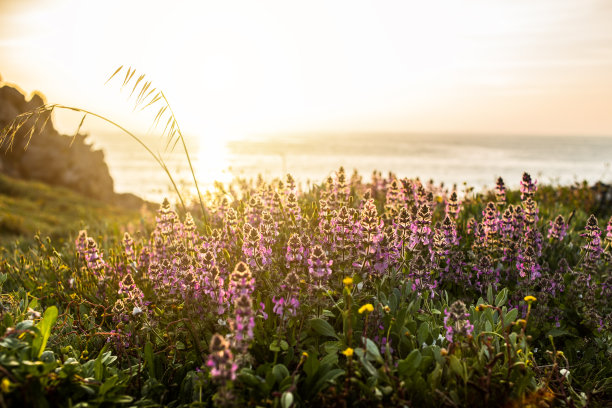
{"x":277,"y":257}
{"x":558,"y":228}
{"x":456,"y":322}
{"x":221,"y":360}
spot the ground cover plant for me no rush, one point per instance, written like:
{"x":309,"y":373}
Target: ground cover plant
{"x":390,"y":292}
{"x":386,"y":292}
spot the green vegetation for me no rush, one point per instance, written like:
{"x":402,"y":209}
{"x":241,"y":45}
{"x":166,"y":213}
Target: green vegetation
{"x":388,"y":293}
{"x":392,"y":292}
{"x":28,"y":208}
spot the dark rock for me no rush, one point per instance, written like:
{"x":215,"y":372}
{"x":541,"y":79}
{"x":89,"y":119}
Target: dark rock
{"x":56,"y":159}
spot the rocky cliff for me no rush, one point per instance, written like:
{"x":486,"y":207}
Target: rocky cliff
{"x":48,"y":156}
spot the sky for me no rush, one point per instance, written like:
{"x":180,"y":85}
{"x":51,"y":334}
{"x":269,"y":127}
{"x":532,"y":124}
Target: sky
{"x":232,"y":69}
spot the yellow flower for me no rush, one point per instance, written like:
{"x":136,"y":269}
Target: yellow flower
{"x":482,"y":307}
{"x":519,"y":351}
{"x":521,"y":321}
{"x":348,"y":352}
{"x":305,"y":354}
{"x":347,"y":281}
{"x":387,"y":309}
{"x":366,"y":308}
{"x":530,"y":299}
{"x":5,"y":386}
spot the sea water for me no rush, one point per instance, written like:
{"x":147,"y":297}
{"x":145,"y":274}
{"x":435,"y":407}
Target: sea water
{"x":453,"y":159}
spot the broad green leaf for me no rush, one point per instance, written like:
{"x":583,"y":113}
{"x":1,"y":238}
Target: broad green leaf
{"x":510,"y":316}
{"x":323,"y":328}
{"x":501,"y":298}
{"x":45,"y":325}
{"x":409,"y":365}
{"x":311,"y":365}
{"x":372,"y":351}
{"x":457,"y":367}
{"x":423,"y":333}
{"x":280,"y":372}
{"x":330,"y":359}
{"x":248,"y":377}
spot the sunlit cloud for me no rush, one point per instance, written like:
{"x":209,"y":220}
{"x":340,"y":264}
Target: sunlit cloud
{"x":273,"y":66}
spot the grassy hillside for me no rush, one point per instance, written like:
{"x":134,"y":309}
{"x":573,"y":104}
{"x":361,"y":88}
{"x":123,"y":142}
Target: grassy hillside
{"x":28,"y":208}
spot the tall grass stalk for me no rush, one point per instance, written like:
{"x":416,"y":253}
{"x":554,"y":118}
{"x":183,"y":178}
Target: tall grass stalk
{"x":7,"y":137}
{"x":146,"y":96}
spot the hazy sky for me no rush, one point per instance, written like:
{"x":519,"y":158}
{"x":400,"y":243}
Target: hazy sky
{"x":234,"y":68}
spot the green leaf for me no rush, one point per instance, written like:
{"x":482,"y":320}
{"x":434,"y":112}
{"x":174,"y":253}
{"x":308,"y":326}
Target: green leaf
{"x":409,"y":365}
{"x":47,"y":356}
{"x":311,"y":365}
{"x":40,"y":341}
{"x":330,"y":359}
{"x":98,"y":364}
{"x":366,"y":364}
{"x":33,"y":303}
{"x":122,"y":399}
{"x":274,"y":346}
{"x":25,"y":325}
{"x":501,"y":298}
{"x":328,"y":376}
{"x":149,"y":359}
{"x":323,"y":328}
{"x":510,"y":316}
{"x":108,"y":384}
{"x":557,"y":332}
{"x":423,"y":333}
{"x":372,"y":352}
{"x":455,"y":365}
{"x":434,"y":377}
{"x":248,"y":377}
{"x":280,"y":372}
{"x":332,"y":347}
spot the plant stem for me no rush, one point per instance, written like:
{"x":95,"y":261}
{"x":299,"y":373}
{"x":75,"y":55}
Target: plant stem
{"x":195,"y":181}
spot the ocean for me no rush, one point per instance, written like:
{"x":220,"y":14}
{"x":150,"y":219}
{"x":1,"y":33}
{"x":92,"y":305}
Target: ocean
{"x":453,"y":159}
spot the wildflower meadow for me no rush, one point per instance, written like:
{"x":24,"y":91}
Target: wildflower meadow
{"x":383,"y":292}
{"x":387,"y":292}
